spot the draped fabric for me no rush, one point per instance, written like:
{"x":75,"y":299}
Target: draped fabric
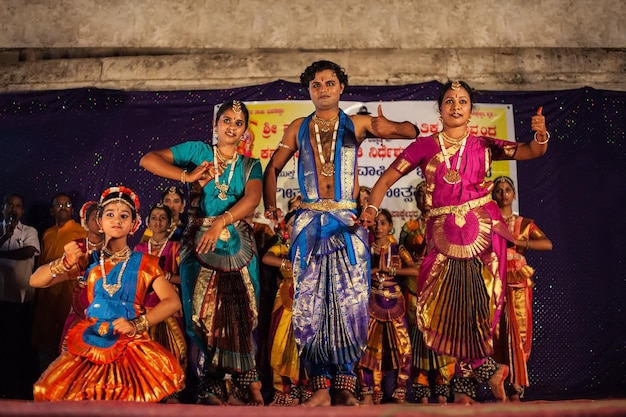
{"x":103,"y":365}
{"x":284,"y":358}
{"x":220,"y":289}
{"x":515,"y":334}
{"x":170,"y":332}
{"x":330,"y":258}
{"x":104,"y":132}
{"x":462,"y":275}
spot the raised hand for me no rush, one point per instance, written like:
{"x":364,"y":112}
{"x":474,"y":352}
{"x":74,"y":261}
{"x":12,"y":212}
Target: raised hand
{"x":538,"y":121}
{"x":380,"y":123}
{"x":73,"y":253}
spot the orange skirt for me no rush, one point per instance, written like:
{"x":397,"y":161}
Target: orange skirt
{"x":144,"y":371}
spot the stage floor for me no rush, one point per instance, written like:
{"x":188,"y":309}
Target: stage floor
{"x":575,"y":408}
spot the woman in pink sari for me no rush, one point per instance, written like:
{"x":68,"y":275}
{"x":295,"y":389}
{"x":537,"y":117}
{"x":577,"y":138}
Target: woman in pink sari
{"x":463,"y":274}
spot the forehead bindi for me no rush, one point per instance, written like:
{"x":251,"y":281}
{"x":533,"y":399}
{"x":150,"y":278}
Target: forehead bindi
{"x":230,"y":114}
{"x":457,"y":94}
{"x":325,"y":76}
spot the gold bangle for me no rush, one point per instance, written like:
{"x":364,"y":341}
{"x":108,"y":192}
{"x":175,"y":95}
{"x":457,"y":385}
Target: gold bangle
{"x":542,"y":142}
{"x":168,"y":276}
{"x":183,"y":176}
{"x":57,"y":267}
{"x":140,"y":324}
{"x":223,"y":220}
{"x":527,"y":244}
{"x":232,"y":218}
{"x":283,"y":264}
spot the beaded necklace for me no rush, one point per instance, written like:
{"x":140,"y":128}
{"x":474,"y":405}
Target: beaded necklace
{"x":123,"y":254}
{"x":162,"y":244}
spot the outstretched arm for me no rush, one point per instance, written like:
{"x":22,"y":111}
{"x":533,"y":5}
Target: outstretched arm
{"x":382,"y":127}
{"x":384,"y":183}
{"x":62,"y":269}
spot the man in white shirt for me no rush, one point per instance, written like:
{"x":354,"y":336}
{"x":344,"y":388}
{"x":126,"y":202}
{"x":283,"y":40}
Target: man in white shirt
{"x":19,"y":245}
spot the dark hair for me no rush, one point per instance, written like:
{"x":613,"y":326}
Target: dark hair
{"x":229,"y":105}
{"x":447,"y":86}
{"x":309,"y":73}
{"x":173,"y":189}
{"x":160,"y":206}
{"x":57,"y":195}
{"x":125,"y":194}
{"x":506,"y":179}
{"x":419,"y":188}
{"x":387,"y":214}
{"x":6,"y":198}
{"x":90,"y":209}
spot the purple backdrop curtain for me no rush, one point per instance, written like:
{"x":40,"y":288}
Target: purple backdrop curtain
{"x":81,"y":141}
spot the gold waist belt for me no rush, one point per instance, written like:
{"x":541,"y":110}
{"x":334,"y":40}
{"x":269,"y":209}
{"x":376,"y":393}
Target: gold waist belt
{"x":328,"y":204}
{"x":205,"y":221}
{"x":462,"y":209}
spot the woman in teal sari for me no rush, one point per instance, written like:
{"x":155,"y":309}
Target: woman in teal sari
{"x":219,"y":266}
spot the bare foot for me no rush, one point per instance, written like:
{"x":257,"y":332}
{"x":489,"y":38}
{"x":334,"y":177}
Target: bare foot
{"x":255,"y":394}
{"x":441,"y":399}
{"x":232,"y":400}
{"x":514,"y":398}
{"x":496,"y":382}
{"x":345,"y":397}
{"x":320,"y":398}
{"x":424,"y":400}
{"x":463,"y":399}
{"x":367,"y":399}
{"x":209,"y":399}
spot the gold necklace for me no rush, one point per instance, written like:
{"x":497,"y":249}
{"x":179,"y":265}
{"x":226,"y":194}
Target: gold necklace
{"x":452,"y":176}
{"x":454,"y":141}
{"x":157,"y":245}
{"x":223,"y":187}
{"x":325,"y":125}
{"x":116,"y":256}
{"x":383,"y":246}
{"x":113,"y":288}
{"x":328,"y":168}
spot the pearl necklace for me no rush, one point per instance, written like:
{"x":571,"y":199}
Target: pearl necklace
{"x":328,"y":168}
{"x":223,"y":187}
{"x":452,"y":176}
{"x":91,"y":246}
{"x":162,"y":244}
{"x":113,"y":288}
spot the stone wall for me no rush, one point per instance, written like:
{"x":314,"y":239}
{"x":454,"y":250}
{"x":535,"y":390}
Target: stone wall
{"x":193,"y":44}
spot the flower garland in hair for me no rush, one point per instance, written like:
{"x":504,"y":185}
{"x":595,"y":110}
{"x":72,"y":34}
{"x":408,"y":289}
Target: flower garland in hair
{"x":131,"y":201}
{"x":83,"y":213}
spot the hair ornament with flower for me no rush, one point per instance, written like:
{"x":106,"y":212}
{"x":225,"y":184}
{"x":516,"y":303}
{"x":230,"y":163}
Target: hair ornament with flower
{"x":83,"y":213}
{"x":123,"y":195}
